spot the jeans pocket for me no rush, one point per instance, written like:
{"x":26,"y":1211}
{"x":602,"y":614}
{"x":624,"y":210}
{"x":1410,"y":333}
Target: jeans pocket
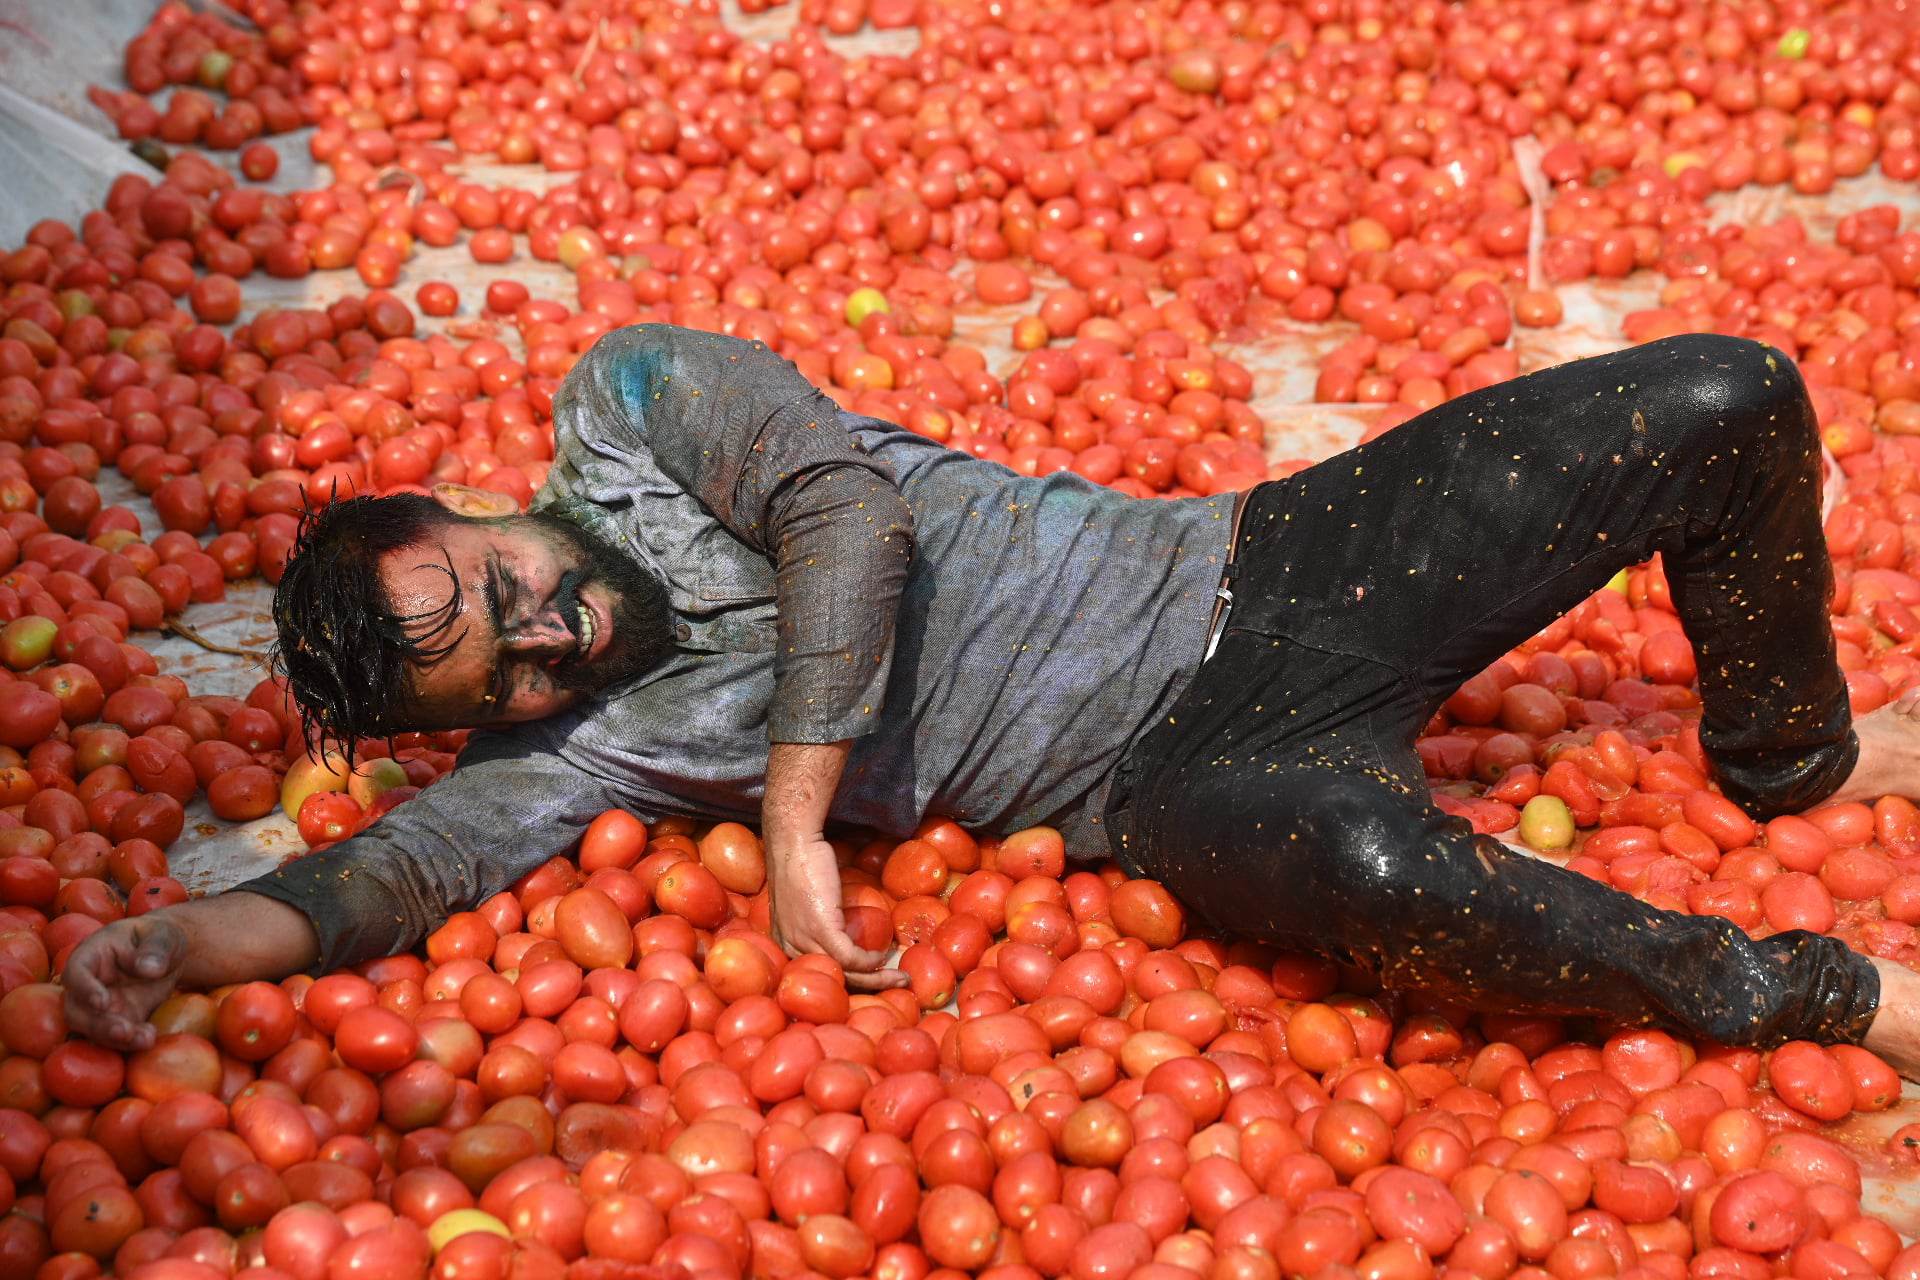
{"x":1117,"y":818}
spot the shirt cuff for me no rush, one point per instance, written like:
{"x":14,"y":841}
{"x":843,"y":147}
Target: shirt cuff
{"x":807,"y":730}
{"x":316,"y":887}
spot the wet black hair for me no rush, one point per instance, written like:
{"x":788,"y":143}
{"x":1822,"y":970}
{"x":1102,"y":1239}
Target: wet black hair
{"x":348,"y":657}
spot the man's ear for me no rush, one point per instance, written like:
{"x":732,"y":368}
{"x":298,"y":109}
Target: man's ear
{"x":479,"y":504}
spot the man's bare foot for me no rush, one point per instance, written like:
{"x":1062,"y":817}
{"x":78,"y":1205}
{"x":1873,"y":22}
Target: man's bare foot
{"x":1895,"y":1033}
{"x":1889,"y":763}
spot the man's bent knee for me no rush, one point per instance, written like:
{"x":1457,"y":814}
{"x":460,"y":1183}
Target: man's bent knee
{"x":1364,"y":827}
{"x":1735,"y":393}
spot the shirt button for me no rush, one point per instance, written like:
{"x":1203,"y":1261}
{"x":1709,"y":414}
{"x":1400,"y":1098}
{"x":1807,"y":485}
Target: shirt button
{"x":683,"y":632}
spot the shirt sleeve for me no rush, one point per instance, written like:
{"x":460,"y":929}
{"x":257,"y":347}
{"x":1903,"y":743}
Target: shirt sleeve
{"x":842,"y":539}
{"x":771,"y":457}
{"x":502,"y":812}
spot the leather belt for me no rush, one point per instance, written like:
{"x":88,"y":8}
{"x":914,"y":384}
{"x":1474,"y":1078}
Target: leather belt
{"x":1223,"y":597}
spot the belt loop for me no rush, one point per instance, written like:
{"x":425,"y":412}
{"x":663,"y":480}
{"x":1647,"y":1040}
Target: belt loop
{"x":1223,"y":595}
{"x":1224,"y":610}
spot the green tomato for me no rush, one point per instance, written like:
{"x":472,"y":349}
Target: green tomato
{"x":73,"y":304}
{"x":862,"y":303}
{"x":1195,"y":71}
{"x":454,"y":1223}
{"x":1794,"y":43}
{"x":27,"y":642}
{"x":213,"y":68}
{"x":1618,"y":582}
{"x":1546,"y":823}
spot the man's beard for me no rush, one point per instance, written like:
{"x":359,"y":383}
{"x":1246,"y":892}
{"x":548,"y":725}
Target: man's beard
{"x":642,"y":621}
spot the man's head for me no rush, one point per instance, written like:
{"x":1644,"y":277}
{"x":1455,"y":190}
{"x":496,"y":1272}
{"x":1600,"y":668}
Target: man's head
{"x":417,"y":613}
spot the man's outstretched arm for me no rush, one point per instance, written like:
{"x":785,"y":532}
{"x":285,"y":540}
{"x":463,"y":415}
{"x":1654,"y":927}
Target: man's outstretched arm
{"x":121,"y":973}
{"x":509,"y":806}
{"x":506,"y":809}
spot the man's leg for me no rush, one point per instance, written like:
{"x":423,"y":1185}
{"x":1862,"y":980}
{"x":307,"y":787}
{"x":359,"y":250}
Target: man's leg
{"x":1312,"y":849}
{"x":1446,"y":542}
{"x":1373,"y":583}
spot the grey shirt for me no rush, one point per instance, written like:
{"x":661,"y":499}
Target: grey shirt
{"x":991,"y":642}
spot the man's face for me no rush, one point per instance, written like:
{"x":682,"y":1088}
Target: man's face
{"x":545,"y":615}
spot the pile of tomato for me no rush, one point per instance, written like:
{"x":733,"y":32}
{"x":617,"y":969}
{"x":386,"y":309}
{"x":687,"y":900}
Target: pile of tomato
{"x":201,"y":54}
{"x":611,"y":1072}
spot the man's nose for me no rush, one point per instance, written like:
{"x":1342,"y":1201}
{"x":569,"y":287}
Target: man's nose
{"x":541,"y":636}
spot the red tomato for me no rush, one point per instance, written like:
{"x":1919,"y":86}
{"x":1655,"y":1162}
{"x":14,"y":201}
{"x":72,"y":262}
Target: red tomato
{"x":255,"y":1021}
{"x":327,"y":816}
{"x":1759,"y":1212}
{"x":1529,"y":1207}
{"x":614,"y":839}
{"x":1809,"y":1079}
{"x":1412,"y":1206}
{"x":375,"y":1040}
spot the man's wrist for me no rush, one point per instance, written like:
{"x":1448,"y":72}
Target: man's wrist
{"x":240,"y":935}
{"x":785,"y":837}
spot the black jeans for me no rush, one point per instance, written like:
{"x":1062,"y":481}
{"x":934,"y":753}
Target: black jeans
{"x":1282,"y":800}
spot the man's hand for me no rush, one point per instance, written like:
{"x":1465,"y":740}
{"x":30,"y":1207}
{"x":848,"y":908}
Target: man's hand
{"x":119,"y":975}
{"x":803,"y":880}
{"x":803,"y":888}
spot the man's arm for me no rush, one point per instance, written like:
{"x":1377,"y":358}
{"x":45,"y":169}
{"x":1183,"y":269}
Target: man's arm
{"x":772,"y":458}
{"x":121,"y":973}
{"x":508,"y":806}
{"x":506,"y":809}
{"x":841,"y":554}
{"x":803,"y":880}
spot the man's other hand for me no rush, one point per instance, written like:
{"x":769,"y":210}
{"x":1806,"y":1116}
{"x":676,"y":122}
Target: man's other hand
{"x":119,"y":975}
{"x":804,"y":905}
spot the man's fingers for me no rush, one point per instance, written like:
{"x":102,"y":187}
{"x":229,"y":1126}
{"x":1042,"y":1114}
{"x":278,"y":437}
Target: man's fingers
{"x":113,"y":1032}
{"x":862,"y":970}
{"x":865,"y":970}
{"x":849,"y":957}
{"x":87,"y":990}
{"x":83,"y":981}
{"x":156,"y":949}
{"x":127,"y":1036}
{"x":154,"y":959}
{"x":880,"y":980}
{"x":93,"y":972}
{"x":116,"y":977}
{"x":866,"y":961}
{"x":112,"y":1029}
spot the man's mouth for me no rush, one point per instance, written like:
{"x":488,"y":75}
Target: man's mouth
{"x":578,"y":616}
{"x":573,"y":612}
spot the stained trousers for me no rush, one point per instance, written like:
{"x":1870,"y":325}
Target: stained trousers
{"x":1281,"y":798}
